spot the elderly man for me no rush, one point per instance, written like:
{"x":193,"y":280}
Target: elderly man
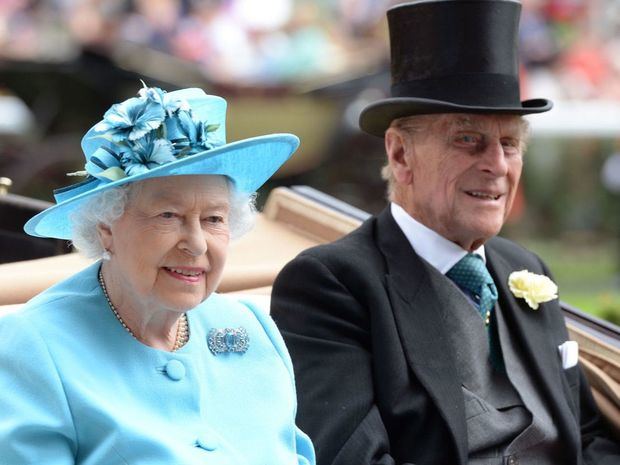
{"x":413,"y":340}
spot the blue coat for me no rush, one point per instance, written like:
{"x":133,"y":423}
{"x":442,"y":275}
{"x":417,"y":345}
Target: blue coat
{"x":77,"y":388}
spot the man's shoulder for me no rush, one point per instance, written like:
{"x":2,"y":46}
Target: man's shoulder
{"x":513,"y":253}
{"x":359,"y":244}
{"x":353,"y":258}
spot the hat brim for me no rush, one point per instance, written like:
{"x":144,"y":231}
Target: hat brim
{"x":248,"y":163}
{"x":377,"y":117}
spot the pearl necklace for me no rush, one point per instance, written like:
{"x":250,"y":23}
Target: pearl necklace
{"x":182,"y":335}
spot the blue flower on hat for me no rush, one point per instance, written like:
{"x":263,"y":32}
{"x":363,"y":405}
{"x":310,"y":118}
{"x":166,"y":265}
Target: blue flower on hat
{"x":204,"y":133}
{"x":147,"y":153}
{"x":145,"y":132}
{"x":198,"y":133}
{"x":161,"y":97}
{"x":131,"y":119}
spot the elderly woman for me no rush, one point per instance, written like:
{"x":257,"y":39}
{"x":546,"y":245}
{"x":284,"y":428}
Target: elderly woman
{"x":136,"y":359}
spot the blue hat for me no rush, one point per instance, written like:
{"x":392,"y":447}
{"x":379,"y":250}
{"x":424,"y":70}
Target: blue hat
{"x":159,"y":134}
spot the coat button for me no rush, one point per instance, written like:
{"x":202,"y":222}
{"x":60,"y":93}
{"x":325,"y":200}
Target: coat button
{"x":175,"y":370}
{"x":207,"y":443}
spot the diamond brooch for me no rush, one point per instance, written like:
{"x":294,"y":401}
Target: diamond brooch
{"x":228,"y":340}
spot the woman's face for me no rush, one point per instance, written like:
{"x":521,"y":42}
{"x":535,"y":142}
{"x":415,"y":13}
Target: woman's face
{"x":169,"y":247}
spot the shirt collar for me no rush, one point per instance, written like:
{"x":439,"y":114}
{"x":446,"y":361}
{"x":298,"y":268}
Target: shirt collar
{"x":435,"y":249}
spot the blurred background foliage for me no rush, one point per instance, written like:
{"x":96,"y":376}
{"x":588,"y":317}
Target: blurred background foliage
{"x":309,"y":67}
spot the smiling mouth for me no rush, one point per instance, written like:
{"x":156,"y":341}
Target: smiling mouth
{"x":482,"y":195}
{"x":182,"y":272}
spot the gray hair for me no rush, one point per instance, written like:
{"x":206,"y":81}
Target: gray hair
{"x":109,"y":205}
{"x":410,"y":126}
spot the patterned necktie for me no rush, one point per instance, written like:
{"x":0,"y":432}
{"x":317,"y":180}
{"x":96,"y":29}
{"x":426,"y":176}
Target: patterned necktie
{"x":471,"y":274}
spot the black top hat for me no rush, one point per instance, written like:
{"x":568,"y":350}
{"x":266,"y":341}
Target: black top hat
{"x":452,"y":56}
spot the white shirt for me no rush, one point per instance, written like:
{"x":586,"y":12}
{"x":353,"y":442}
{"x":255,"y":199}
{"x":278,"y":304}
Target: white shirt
{"x":432,"y":247}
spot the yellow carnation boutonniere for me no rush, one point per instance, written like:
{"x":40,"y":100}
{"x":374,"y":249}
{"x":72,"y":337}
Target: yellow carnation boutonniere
{"x":534,"y":288}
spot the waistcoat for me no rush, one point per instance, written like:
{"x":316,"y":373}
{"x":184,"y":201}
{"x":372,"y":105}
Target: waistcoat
{"x":507,"y":422}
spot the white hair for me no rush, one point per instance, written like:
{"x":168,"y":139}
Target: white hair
{"x":408,"y":126}
{"x":109,"y":205}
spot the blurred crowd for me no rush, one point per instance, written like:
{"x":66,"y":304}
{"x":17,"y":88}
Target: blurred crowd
{"x":256,"y":42}
{"x":570,"y":48}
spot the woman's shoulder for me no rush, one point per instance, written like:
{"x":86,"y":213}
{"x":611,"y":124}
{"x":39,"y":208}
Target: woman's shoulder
{"x":69,"y":296}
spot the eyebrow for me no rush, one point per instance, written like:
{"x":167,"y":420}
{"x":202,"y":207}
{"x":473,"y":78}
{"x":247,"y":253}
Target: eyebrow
{"x":467,"y":123}
{"x":163,"y":197}
{"x":167,"y":198}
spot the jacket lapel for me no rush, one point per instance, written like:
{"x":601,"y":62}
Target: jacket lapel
{"x":421,"y":298}
{"x":542,"y":361}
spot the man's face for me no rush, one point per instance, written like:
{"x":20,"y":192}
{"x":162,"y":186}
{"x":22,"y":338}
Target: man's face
{"x":460,"y":175}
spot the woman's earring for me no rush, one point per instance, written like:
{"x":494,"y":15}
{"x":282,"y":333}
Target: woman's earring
{"x":106,"y":255}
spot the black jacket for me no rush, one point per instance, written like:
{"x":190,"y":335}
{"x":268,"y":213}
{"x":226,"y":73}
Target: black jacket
{"x":362,"y":318}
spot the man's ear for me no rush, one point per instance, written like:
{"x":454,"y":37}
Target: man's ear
{"x":398,"y":148}
{"x":105,"y":235}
